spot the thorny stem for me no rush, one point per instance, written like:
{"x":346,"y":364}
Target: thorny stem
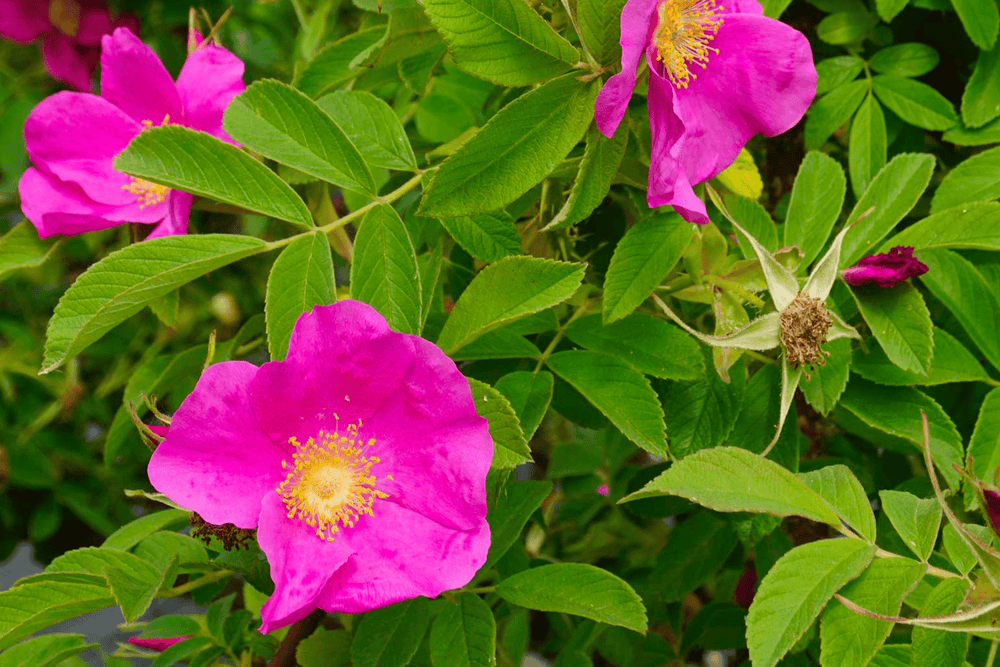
{"x":183,"y":589}
{"x":285,"y":656}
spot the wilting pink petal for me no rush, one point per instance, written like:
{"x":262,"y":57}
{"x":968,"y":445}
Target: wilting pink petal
{"x":73,"y":138}
{"x":359,"y":458}
{"x":158,"y":643}
{"x":886,"y":269}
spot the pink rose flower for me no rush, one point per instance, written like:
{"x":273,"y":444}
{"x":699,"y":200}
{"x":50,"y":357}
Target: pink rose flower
{"x":885,"y":270}
{"x":71,"y":32}
{"x":717,"y":76}
{"x":359,"y":459}
{"x":157,"y":644}
{"x":72,"y":138}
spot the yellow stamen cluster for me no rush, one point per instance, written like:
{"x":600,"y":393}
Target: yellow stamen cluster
{"x":331,"y":484}
{"x":682,"y":38}
{"x":146,"y":193}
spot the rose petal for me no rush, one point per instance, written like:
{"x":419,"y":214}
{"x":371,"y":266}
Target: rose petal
{"x":134,"y":80}
{"x":178,"y":210}
{"x":210,"y":79}
{"x":23,"y":21}
{"x":95,"y":22}
{"x":65,"y":63}
{"x":216,"y":460}
{"x":301,"y":564}
{"x":638,"y":21}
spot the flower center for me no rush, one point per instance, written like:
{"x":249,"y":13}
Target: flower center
{"x":804,"y":324}
{"x":331,"y":485}
{"x":146,"y":193}
{"x":682,"y":38}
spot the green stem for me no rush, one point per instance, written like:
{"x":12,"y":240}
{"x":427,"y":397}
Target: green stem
{"x":560,"y":332}
{"x":931,"y":570}
{"x":993,"y":652}
{"x":301,"y":14}
{"x":183,"y":589}
{"x":480,"y":589}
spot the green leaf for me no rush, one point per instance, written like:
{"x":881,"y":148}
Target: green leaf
{"x":337,"y":62}
{"x":896,"y":411}
{"x":384,"y":272}
{"x":134,"y":591}
{"x":162,"y":546}
{"x":729,"y":479}
{"x":578,"y":589}
{"x":517,"y":502}
{"x":742,"y":177}
{"x":940,"y":648}
{"x":643,"y":258}
{"x":902,"y":325}
{"x":972,"y":180}
{"x":834,"y":72}
{"x":510,"y":448}
{"x":388,"y":637}
{"x":502,"y":41}
{"x":489,"y":237}
{"x":984,"y":448}
{"x":464,"y":634}
{"x":867,"y":145}
{"x":974,"y":226}
{"x":980,"y":20}
{"x":831,"y":111}
{"x":529,"y":394}
{"x":795,"y":591}
{"x":981,"y":99}
{"x":502,"y":344}
{"x":951,"y":363}
{"x":838,"y":486}
{"x":601,"y":159}
{"x":648,"y":344}
{"x":827,"y":382}
{"x":20,"y":248}
{"x":45,"y":651}
{"x":816,"y":200}
{"x":756,"y":220}
{"x":848,"y":639}
{"x":600,"y":22}
{"x":701,"y":413}
{"x":957,"y":283}
{"x":910,"y":59}
{"x":279,"y":122}
{"x":29,"y":607}
{"x":505,"y":291}
{"x":302,"y":277}
{"x":963,"y":136}
{"x":696,"y":549}
{"x":196,"y":162}
{"x":516,"y":149}
{"x":915,"y":519}
{"x":845,"y":27}
{"x":325,"y":648}
{"x":181,"y":650}
{"x":894,"y":655}
{"x":958,"y":552}
{"x":620,"y":392}
{"x":915,"y":102}
{"x":372,"y":126}
{"x":121,"y":284}
{"x":132,"y":533}
{"x":895,"y":190}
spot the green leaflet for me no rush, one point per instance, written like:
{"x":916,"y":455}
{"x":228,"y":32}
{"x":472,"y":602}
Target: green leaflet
{"x":489,"y":237}
{"x":302,"y":277}
{"x":910,"y":59}
{"x":867,"y":144}
{"x":648,"y":344}
{"x":915,"y":102}
{"x":831,"y":111}
{"x":981,"y":21}
{"x":517,"y":502}
{"x":951,"y":363}
{"x":600,"y":22}
{"x":839,"y":487}
{"x":816,"y":200}
{"x":915,"y":519}
{"x":902,"y":325}
{"x":121,"y":284}
{"x":20,"y":248}
{"x":974,"y":225}
{"x":388,"y":637}
{"x":598,"y":167}
{"x":529,"y":395}
{"x":984,"y":446}
{"x":981,"y":98}
{"x":45,"y":651}
{"x":372,"y":126}
{"x":464,"y":634}
{"x":510,"y":445}
{"x":973,"y":180}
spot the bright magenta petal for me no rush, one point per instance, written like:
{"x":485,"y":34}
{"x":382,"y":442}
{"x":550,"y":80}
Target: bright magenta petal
{"x":210,"y":79}
{"x":349,"y":352}
{"x":134,"y":80}
{"x":637,"y":24}
{"x":761,"y":81}
{"x":176,"y":221}
{"x":215,"y":459}
{"x":301,"y":564}
{"x":23,"y":20}
{"x":55,"y":207}
{"x":65,"y":62}
{"x":400,"y":554}
{"x":741,"y":7}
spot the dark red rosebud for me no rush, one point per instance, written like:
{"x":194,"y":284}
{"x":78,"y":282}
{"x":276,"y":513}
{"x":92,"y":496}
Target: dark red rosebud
{"x":885,"y":270}
{"x":158,"y":643}
{"x":992,"y":500}
{"x":747,"y":586}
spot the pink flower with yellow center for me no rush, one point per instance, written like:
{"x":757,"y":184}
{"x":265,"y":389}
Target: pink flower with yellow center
{"x":71,"y":32}
{"x":72,"y":138}
{"x":359,"y":459}
{"x":718,"y":75}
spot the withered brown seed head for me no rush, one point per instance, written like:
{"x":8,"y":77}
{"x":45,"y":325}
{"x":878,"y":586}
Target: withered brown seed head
{"x":804,"y":324}
{"x":229,"y":534}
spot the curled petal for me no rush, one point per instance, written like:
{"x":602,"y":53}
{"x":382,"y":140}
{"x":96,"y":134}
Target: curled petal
{"x":176,"y":220}
{"x":157,"y":643}
{"x":210,"y":79}
{"x":134,"y":80}
{"x":637,"y":24}
{"x":885,"y":270}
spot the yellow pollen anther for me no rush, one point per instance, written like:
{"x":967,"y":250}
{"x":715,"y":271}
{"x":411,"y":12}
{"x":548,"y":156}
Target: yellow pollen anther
{"x":146,"y":193}
{"x":331,"y":484}
{"x":682,"y":38}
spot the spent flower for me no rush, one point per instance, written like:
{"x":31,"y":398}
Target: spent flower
{"x":359,"y":459}
{"x":886,"y":269}
{"x":72,"y":138}
{"x":718,"y":75}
